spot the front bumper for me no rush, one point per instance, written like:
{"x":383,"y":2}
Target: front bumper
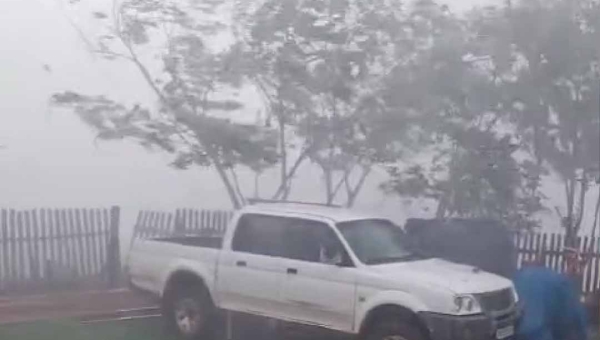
{"x":477,"y":327}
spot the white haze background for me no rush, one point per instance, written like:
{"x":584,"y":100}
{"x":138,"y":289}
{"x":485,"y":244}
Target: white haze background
{"x":51,"y":160}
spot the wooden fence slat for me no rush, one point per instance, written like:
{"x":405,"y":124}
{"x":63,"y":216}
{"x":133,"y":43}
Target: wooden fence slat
{"x":60,"y":248}
{"x":180,"y":222}
{"x":141,"y":232}
{"x":531,"y":246}
{"x":589,"y":252}
{"x":517,"y":242}
{"x":197,"y":222}
{"x":583,"y":248}
{"x":552,"y":251}
{"x":220,"y":221}
{"x":34,"y":267}
{"x":160,"y":222}
{"x":168,"y":224}
{"x":95,"y":227}
{"x":106,"y":239}
{"x":26,"y":249}
{"x":189,"y":221}
{"x":204,"y":219}
{"x":103,"y":229}
{"x":150,"y":225}
{"x":44,"y":243}
{"x":559,"y":245}
{"x":79,"y":217}
{"x":40,"y":255}
{"x":93,"y":221}
{"x":4,"y":251}
{"x":139,"y":227}
{"x":153,"y":225}
{"x":52,"y":257}
{"x":113,"y":253}
{"x":65,"y":238}
{"x":147,"y":225}
{"x":99,"y":242}
{"x":69,"y":218}
{"x":596,"y":265}
{"x":12,"y":240}
{"x":79,"y":255}
{"x":88,"y":219}
{"x":544,"y":249}
{"x":21,"y":269}
{"x":136,"y":228}
{"x":156,"y":226}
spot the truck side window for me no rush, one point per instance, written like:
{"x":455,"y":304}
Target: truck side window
{"x":260,"y":235}
{"x":310,"y":241}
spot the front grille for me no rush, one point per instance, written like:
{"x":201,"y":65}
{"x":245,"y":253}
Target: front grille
{"x":496,"y":301}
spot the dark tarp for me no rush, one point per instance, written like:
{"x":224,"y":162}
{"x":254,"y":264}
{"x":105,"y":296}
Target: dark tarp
{"x":485,"y":244}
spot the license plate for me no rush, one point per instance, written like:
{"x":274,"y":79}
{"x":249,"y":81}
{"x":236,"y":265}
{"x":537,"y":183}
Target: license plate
{"x":505,"y":332}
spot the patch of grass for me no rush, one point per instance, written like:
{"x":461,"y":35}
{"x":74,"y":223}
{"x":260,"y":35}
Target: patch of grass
{"x":126,"y":330}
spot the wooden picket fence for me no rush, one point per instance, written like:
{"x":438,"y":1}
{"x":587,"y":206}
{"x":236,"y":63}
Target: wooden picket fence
{"x":552,"y":245}
{"x":59,"y":248}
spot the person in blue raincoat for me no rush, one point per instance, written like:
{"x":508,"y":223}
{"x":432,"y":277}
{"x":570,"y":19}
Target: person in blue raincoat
{"x":552,"y":309}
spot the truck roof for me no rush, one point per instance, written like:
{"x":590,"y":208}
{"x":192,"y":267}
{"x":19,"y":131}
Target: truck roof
{"x":334,"y":214}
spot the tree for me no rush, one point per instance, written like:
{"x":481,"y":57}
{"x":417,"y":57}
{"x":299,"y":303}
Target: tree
{"x":189,"y":82}
{"x":455,"y":102}
{"x":547,"y":60}
{"x":321,"y":65}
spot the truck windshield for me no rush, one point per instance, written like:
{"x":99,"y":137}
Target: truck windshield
{"x":377,"y":241}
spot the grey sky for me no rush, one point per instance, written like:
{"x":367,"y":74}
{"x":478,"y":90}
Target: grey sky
{"x":51,"y":159}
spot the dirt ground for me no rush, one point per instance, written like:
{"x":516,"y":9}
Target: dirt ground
{"x":69,"y":305}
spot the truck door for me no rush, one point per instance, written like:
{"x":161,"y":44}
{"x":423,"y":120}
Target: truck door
{"x":251,"y":273}
{"x":318,"y":289}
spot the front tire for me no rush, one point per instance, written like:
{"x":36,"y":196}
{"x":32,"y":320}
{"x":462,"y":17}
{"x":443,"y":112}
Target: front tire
{"x":395,"y":330}
{"x":189,"y":313}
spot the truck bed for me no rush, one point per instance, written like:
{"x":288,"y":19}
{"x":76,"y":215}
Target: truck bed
{"x":150,"y":260}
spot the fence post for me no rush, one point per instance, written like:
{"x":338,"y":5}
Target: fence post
{"x":114,"y":253}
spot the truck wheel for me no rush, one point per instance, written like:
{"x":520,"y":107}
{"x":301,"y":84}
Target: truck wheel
{"x":395,"y":330}
{"x":190,"y":313}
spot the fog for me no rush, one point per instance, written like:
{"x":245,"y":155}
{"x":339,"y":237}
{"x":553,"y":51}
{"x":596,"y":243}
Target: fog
{"x":50,"y":158}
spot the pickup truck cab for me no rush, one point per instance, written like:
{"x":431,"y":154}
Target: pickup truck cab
{"x":325,"y":267}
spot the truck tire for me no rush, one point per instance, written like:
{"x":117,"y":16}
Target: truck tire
{"x":189,"y":313}
{"x":393,"y":329}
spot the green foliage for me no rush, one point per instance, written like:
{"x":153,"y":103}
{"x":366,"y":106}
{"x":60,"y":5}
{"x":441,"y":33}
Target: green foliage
{"x":189,"y":87}
{"x":500,"y":97}
{"x":546,"y":57}
{"x":455,"y":104}
{"x":321,"y":65}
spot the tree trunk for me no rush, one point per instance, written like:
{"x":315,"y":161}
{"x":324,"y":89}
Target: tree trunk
{"x":441,"y":208}
{"x":283,"y":150}
{"x":284,"y":187}
{"x":353,"y":192}
{"x":233,"y":196}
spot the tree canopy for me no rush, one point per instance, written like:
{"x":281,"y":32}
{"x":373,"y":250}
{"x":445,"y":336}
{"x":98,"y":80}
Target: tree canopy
{"x":495,"y":100}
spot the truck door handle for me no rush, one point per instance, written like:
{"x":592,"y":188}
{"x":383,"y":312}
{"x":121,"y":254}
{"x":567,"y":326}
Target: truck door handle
{"x":241,"y":263}
{"x":293,"y":271}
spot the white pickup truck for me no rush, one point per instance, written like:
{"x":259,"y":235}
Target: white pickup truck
{"x":327,"y":267}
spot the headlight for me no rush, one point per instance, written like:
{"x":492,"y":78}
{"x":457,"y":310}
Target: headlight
{"x":515,"y":295}
{"x":466,"y":305}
